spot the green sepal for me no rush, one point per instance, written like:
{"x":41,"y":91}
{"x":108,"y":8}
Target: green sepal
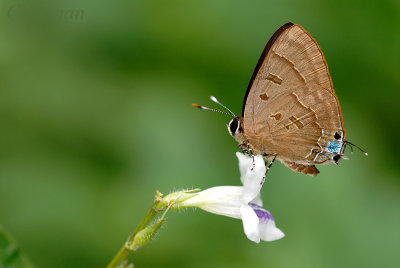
{"x":173,"y":200}
{"x":146,"y":235}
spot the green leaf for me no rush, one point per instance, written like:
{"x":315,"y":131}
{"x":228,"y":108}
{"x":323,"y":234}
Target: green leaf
{"x":10,"y":255}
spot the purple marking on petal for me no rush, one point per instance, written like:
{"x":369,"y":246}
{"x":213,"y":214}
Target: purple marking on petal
{"x":263,"y":214}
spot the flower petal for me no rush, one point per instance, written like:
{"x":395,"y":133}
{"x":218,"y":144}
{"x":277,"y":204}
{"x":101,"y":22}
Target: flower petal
{"x":250,"y":223}
{"x":269,"y":232}
{"x":252,"y":171}
{"x":244,"y":162}
{"x":263,"y":214}
{"x":221,"y":200}
{"x":257,"y":200}
{"x":266,"y":225}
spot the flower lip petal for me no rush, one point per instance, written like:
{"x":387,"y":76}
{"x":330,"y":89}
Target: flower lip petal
{"x":250,"y":223}
{"x":269,"y":232}
{"x":263,"y":214}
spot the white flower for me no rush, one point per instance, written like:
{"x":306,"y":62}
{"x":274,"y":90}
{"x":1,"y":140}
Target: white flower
{"x":241,"y":202}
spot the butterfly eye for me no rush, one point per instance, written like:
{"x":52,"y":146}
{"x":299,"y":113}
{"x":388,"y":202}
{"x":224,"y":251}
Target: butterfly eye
{"x":234,"y":126}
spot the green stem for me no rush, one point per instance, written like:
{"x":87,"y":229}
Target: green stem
{"x":124,"y":251}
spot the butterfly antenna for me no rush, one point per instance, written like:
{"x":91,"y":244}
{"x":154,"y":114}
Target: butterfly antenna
{"x":352,"y":144}
{"x":209,"y":109}
{"x":214,"y":99}
{"x":351,"y":148}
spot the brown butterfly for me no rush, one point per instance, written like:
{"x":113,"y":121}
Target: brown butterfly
{"x":290,"y":110}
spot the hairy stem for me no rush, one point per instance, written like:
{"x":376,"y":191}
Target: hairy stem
{"x":122,"y":254}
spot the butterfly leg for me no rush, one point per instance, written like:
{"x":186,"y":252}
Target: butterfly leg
{"x":270,"y":164}
{"x":268,"y":167}
{"x":246,"y":149}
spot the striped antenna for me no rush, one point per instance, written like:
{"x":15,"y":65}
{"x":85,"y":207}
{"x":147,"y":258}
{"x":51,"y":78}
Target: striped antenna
{"x":214,"y":99}
{"x":209,"y":109}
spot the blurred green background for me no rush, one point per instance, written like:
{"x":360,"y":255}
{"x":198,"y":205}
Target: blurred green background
{"x":95,"y":116}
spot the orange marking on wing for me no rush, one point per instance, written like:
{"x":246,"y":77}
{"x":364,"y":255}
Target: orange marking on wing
{"x":264,"y":97}
{"x":277,"y":116}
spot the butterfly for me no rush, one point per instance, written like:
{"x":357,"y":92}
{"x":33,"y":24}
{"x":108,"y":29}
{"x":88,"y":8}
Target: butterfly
{"x":290,"y":110}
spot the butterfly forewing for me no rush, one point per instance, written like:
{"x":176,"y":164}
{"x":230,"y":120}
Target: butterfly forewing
{"x":290,"y":107}
{"x":293,"y":54}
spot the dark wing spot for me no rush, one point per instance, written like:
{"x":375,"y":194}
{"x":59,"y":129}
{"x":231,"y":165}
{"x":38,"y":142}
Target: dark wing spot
{"x":277,"y":116}
{"x":336,"y":158}
{"x":264,"y":97}
{"x":337,"y":136}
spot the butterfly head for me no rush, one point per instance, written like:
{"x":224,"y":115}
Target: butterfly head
{"x":235,"y":128}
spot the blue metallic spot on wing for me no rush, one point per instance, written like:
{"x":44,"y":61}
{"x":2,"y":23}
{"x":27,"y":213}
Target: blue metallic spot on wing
{"x":334,"y":147}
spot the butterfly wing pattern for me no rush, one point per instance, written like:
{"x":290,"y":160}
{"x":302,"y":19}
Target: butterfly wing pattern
{"x":290,"y":108}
